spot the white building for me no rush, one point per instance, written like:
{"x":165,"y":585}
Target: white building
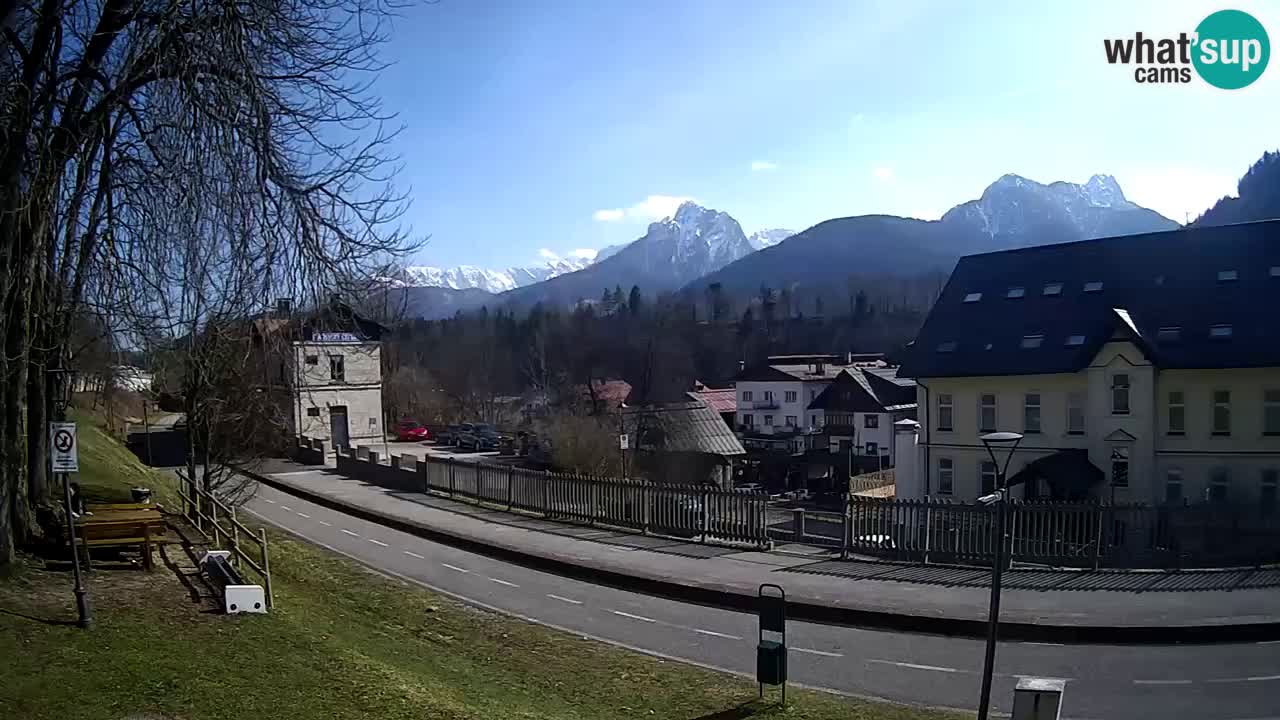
{"x":1139,"y":369}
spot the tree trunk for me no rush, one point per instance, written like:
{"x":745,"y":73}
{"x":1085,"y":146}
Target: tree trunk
{"x":38,"y":404}
{"x":15,"y":381}
{"x":7,"y":477}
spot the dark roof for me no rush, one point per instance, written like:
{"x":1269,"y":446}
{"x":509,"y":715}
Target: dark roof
{"x":866,"y":390}
{"x":1160,"y":280}
{"x":680,"y":427}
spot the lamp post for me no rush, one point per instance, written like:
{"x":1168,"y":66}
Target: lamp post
{"x":991,"y":441}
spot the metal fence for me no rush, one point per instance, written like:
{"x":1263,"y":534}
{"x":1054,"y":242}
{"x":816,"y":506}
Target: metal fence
{"x":699,"y":512}
{"x":1068,"y":535}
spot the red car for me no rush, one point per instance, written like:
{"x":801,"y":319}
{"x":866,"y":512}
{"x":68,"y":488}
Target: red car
{"x":410,"y":431}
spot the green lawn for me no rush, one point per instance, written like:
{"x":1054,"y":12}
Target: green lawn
{"x":108,"y":470}
{"x":342,"y":643}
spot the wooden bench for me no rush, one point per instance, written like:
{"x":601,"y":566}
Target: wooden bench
{"x":121,"y":528}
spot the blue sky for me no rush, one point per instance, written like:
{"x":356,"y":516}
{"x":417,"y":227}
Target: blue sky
{"x":569,"y":124}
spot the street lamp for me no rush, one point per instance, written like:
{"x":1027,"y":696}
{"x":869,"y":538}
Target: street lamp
{"x":991,"y":441}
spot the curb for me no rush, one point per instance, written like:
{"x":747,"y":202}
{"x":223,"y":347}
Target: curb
{"x":802,"y":610}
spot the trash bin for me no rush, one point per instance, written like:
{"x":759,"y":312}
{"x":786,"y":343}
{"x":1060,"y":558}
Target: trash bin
{"x":141,"y":495}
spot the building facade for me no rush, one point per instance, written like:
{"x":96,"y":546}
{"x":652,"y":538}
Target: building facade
{"x":1140,"y":369}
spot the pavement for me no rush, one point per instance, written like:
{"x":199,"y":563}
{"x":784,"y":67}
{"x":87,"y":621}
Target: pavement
{"x":1175,"y":682}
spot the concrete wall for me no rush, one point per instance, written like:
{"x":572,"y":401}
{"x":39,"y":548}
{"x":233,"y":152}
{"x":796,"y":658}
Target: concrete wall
{"x":360,"y":390}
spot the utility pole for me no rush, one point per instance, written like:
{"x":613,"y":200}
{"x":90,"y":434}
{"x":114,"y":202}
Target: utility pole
{"x":62,"y":390}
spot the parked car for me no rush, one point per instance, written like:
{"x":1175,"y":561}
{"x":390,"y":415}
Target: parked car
{"x":478,"y":436}
{"x":450,"y":434}
{"x":412,"y":431}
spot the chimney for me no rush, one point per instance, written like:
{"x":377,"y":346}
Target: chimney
{"x":742,"y":365}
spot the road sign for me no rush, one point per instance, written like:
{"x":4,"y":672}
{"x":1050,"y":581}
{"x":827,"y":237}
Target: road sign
{"x":624,"y":442}
{"x":64,"y":453}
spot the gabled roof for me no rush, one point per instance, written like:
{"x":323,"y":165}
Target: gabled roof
{"x":1049,"y":309}
{"x":866,"y":390}
{"x":721,"y":400}
{"x":680,"y":427}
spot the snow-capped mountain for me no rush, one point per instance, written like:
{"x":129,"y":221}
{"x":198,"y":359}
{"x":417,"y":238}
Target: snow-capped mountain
{"x":1016,"y":212}
{"x":761,"y":239}
{"x":466,"y":277}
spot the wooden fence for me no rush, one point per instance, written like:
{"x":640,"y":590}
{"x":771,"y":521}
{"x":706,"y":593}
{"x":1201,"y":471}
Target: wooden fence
{"x":216,"y":521}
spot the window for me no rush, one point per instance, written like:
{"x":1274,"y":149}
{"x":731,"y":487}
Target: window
{"x":1219,"y":331}
{"x":337,"y":368}
{"x":791,"y":421}
{"x":1093,"y":286}
{"x":790,"y":396}
{"x":1075,"y":340}
{"x":1120,"y":394}
{"x":987,"y":413}
{"x":1221,"y":412}
{"x":1168,"y":334}
{"x":1228,"y":275}
{"x":1275,"y":271}
{"x":987,"y":473}
{"x":946,"y":476}
{"x":871,"y":420}
{"x":948,"y":346}
{"x":1032,"y":341}
{"x":944,"y":411}
{"x":1177,"y":413}
{"x":1016,"y":292}
{"x":768,"y":396}
{"x":1075,"y":413}
{"x":313,"y":360}
{"x":973,"y":297}
{"x":1173,"y":485}
{"x":373,"y":422}
{"x":1219,"y":482}
{"x":813,"y":393}
{"x":1271,"y":412}
{"x":1053,"y":289}
{"x":813,"y":421}
{"x":1268,"y":490}
{"x":1119,"y":467}
{"x":873,"y":448}
{"x":746,"y":396}
{"x":313,"y":412}
{"x":749,"y":420}
{"x":768,"y":421}
{"x":1031,"y":413}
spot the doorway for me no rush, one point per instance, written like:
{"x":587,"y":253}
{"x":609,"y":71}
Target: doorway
{"x":339,"y":433}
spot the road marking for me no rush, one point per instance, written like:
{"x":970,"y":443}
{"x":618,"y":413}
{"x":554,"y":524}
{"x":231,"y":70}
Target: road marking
{"x":634,"y":617}
{"x":291,"y":473}
{"x":350,"y":533}
{"x":503,"y":582}
{"x":303,"y":515}
{"x":1253,"y":678}
{"x":273,"y":502}
{"x":1262,"y":678}
{"x":1161,"y":682}
{"x":286,"y":508}
{"x":1043,"y":644}
{"x":324,"y":523}
{"x":564,"y":599}
{"x":1268,"y":642}
{"x":914,"y":666}
{"x":818,"y":652}
{"x":377,"y":542}
{"x":414,"y":554}
{"x":700,"y":631}
{"x":455,"y":568}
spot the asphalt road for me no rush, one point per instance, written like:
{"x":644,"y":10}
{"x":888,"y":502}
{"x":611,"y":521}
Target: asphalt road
{"x":1218,"y":682}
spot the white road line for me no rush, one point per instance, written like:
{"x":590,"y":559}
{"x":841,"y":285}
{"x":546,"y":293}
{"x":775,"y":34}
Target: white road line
{"x":1161,"y":682}
{"x":564,"y":599}
{"x":302,"y":515}
{"x":455,"y":568}
{"x":1043,"y":644}
{"x":700,"y":631}
{"x":286,"y":508}
{"x":823,"y":653}
{"x":1252,"y":678}
{"x":1262,"y":678}
{"x":324,"y":523}
{"x":414,"y":554}
{"x":377,"y":542}
{"x":503,"y":582}
{"x":634,"y":617}
{"x":1268,"y":642}
{"x":292,"y":473}
{"x":914,"y":666}
{"x":273,"y":502}
{"x":350,"y":533}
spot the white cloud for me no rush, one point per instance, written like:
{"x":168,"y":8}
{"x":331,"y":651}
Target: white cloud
{"x":1178,"y":193}
{"x":883,"y":174}
{"x":654,"y":207}
{"x":584,"y":253}
{"x":762,"y":166}
{"x":547,"y":254}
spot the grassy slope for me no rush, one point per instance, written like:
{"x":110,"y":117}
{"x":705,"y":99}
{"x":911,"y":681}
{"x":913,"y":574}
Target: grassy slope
{"x":343,"y":642}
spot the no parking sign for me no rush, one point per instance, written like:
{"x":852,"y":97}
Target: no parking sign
{"x":64,"y":453}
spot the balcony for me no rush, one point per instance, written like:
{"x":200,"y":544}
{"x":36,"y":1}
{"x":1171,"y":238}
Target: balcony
{"x":765,"y":405}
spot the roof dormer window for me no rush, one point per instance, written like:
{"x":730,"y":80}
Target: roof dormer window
{"x":1016,"y":292}
{"x":1053,"y":288}
{"x":1030,"y":342}
{"x":1220,"y":331}
{"x":948,"y":346}
{"x":1228,"y":275}
{"x":1169,"y":334}
{"x":1275,"y":271}
{"x":1075,"y":340}
{"x":973,"y":297}
{"x":1093,"y":286}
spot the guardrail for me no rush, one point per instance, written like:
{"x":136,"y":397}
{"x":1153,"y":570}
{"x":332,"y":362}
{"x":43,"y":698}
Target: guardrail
{"x":202,"y":509}
{"x":698,"y":512}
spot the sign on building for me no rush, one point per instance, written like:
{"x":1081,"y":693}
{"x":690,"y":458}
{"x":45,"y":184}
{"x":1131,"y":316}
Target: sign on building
{"x":335,"y":337}
{"x":64,"y":455}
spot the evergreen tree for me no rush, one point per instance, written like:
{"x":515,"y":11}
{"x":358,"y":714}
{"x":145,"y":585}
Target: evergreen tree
{"x":635,"y":301}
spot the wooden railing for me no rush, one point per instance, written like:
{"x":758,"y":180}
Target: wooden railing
{"x":216,"y":521}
